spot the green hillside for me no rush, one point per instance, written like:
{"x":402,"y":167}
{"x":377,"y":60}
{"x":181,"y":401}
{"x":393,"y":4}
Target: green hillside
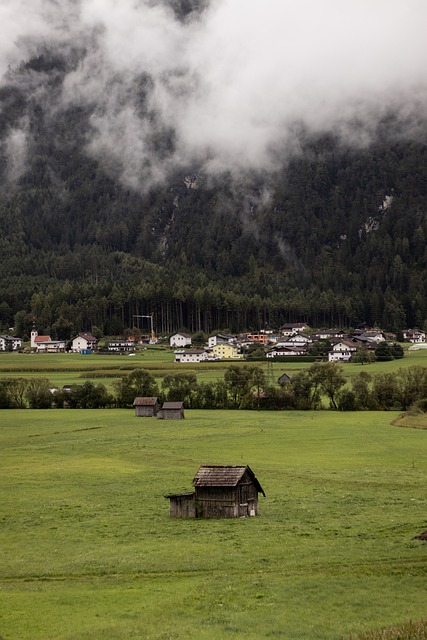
{"x":333,"y":234}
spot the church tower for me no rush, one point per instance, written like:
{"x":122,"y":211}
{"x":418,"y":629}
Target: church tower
{"x":34,"y":335}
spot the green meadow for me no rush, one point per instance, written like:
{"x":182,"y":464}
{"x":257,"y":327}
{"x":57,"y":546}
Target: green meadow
{"x":75,"y":368}
{"x":88,"y":550}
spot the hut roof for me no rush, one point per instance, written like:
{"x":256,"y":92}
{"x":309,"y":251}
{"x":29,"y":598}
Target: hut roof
{"x":422,"y":536}
{"x":173,"y":405}
{"x":222,"y":476}
{"x":145,"y":402}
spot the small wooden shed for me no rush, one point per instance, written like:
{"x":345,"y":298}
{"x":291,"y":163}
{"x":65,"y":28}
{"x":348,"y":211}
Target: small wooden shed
{"x":172,"y":411}
{"x":182,"y":505}
{"x":284,"y":379}
{"x":146,"y":407}
{"x":220,"y":492}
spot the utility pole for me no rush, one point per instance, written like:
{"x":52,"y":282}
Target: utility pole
{"x":270,"y":371}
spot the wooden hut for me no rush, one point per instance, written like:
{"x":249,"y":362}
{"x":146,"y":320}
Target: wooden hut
{"x":220,"y":492}
{"x":182,"y":505}
{"x":172,"y":411}
{"x":284,"y":379}
{"x":147,"y":407}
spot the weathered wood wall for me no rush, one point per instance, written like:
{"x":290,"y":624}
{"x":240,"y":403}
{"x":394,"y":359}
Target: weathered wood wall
{"x":149,"y":411}
{"x":171,"y":414}
{"x":217,"y":502}
{"x":183,"y":506}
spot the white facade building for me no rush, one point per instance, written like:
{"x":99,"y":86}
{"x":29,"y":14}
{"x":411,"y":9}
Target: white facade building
{"x":414,"y":336}
{"x":277,"y":352}
{"x":10,"y":343}
{"x":191,"y":355}
{"x":342,"y":352}
{"x":123,"y":346}
{"x":84,"y":342}
{"x":221,"y":338}
{"x":180,"y":340}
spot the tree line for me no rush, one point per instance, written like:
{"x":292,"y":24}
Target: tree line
{"x":322,"y":385}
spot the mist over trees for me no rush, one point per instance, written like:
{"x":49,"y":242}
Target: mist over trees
{"x":334,"y":237}
{"x":108,"y":212}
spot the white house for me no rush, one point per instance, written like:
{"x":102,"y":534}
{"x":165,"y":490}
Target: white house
{"x":221,"y":338}
{"x":9,"y":343}
{"x":414,"y":336}
{"x":344,"y":345}
{"x":84,"y":342}
{"x":342,"y":351}
{"x":121,"y":346}
{"x":180,"y":340}
{"x":300,"y":338}
{"x":371,"y":335}
{"x":277,"y":352}
{"x":45,"y":344}
{"x":290,"y":328}
{"x":340,"y":356}
{"x":328,"y":334}
{"x":191,"y":355}
{"x":295,"y":340}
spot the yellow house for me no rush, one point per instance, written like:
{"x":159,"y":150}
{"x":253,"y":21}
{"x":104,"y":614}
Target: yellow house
{"x":225,"y":351}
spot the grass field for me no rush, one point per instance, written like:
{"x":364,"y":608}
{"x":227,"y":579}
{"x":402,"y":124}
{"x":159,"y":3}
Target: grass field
{"x":88,"y":551}
{"x":75,"y":368}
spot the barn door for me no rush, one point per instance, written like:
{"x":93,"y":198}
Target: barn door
{"x":243,"y":500}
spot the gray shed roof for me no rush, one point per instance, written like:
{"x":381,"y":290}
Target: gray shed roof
{"x":173,"y":405}
{"x":224,"y":476}
{"x":145,"y":402}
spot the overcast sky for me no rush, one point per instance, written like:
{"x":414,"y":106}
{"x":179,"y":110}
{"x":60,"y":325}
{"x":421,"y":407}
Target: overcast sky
{"x":233,"y":81}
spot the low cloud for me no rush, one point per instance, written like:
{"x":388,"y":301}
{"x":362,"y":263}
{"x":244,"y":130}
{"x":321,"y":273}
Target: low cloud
{"x":226,"y":85}
{"x":16,"y":151}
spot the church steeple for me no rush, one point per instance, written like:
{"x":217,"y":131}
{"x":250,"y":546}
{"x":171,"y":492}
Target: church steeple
{"x":34,"y":334}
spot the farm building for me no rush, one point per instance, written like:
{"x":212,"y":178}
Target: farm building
{"x":284,"y":379}
{"x":182,"y":505}
{"x":220,"y":492}
{"x":180,"y":340}
{"x":172,"y":411}
{"x":146,"y":407}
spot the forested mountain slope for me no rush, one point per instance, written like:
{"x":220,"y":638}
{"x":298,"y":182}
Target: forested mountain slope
{"x":332,"y":233}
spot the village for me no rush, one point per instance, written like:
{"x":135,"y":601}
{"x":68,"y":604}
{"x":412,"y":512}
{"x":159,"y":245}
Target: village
{"x":290,"y":340}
